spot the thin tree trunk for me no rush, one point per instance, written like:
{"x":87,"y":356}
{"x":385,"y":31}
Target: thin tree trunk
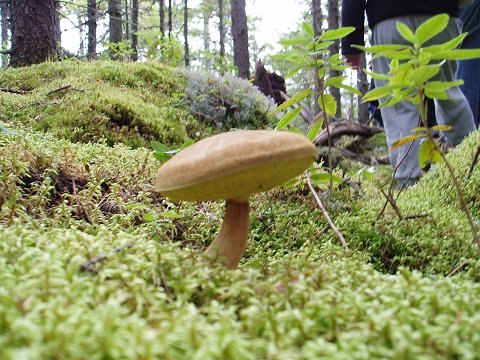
{"x":58,"y":30}
{"x":135,"y":30}
{"x":221,"y":30}
{"x":81,"y":48}
{"x":362,"y":85}
{"x":34,"y":24}
{"x":92,"y":28}
{"x":127,"y":21}
{"x":5,"y":10}
{"x":317,"y":31}
{"x":240,"y":38}
{"x":115,"y":25}
{"x":161,"y":10}
{"x":170,"y":20}
{"x":333,"y":23}
{"x":185,"y":33}
{"x":206,"y":13}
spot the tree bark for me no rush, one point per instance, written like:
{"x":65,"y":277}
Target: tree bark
{"x":115,"y":25}
{"x":34,"y":38}
{"x":135,"y":30}
{"x":317,"y":31}
{"x":221,"y":30}
{"x":333,"y":23}
{"x":362,"y":86}
{"x":127,"y":21}
{"x":206,"y":14}
{"x":92,"y":28}
{"x":5,"y":11}
{"x":185,"y":33}
{"x":161,"y":10}
{"x":170,"y":18}
{"x":240,"y":38}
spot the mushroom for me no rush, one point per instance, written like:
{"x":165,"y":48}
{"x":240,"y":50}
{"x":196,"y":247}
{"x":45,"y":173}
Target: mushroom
{"x":232,"y":166}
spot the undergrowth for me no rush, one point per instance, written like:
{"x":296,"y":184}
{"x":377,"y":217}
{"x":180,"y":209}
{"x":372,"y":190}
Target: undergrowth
{"x":87,"y":271}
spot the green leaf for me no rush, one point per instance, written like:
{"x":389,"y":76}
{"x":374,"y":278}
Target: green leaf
{"x":290,"y":183}
{"x":293,"y":100}
{"x":149,"y":217}
{"x":441,"y":127}
{"x":461,"y":54}
{"x":325,"y":178}
{"x":336,"y":34}
{"x":328,"y":104}
{"x":428,"y":154}
{"x":442,"y":85}
{"x":379,"y":92}
{"x":423,"y":73}
{"x":380,"y":48}
{"x":295,"y":41}
{"x":159,"y":147}
{"x":405,"y":32}
{"x":161,"y":156}
{"x":288,"y":118}
{"x":430,"y":28}
{"x":315,"y":130}
{"x":169,"y":214}
{"x":449,"y":45}
{"x":307,"y":28}
{"x":404,"y":140}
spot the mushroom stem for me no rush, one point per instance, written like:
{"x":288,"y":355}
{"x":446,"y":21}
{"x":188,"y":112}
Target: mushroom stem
{"x":230,"y":244}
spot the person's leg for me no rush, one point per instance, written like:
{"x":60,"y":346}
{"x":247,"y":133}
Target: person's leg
{"x":455,"y":112}
{"x":469,"y":71}
{"x":403,"y":117}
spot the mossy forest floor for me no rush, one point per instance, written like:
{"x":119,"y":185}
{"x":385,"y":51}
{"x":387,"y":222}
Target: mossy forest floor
{"x":94,"y":265}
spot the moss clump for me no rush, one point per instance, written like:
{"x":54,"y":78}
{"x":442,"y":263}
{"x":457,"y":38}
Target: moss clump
{"x":128,"y":103}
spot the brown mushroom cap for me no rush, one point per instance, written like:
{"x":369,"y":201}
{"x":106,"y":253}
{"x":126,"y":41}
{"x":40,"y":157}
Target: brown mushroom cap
{"x":234,"y":165}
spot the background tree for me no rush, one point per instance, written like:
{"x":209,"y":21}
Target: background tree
{"x":185,"y":33}
{"x":34,"y":27}
{"x":170,"y":18}
{"x":317,"y":31}
{"x":134,"y":34}
{"x":115,"y":25}
{"x":362,"y":86}
{"x":240,"y":38}
{"x":92,"y":28}
{"x":161,"y":13}
{"x":5,"y":25}
{"x":333,"y":23}
{"x":221,"y":30}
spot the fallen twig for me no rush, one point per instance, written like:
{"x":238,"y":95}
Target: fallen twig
{"x":15,"y":91}
{"x":61,"y":88}
{"x":88,"y":266}
{"x":324,"y":211}
{"x":458,"y":268}
{"x":474,"y":162}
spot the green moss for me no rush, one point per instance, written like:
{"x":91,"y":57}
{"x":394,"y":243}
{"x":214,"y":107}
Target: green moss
{"x":119,"y":102}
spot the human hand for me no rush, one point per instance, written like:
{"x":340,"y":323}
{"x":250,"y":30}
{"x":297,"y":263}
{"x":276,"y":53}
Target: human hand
{"x":354,"y":60}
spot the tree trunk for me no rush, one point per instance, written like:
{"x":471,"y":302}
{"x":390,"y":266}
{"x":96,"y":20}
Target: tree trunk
{"x":362,"y":86}
{"x":5,"y":10}
{"x":221,"y":30}
{"x":115,"y":26}
{"x":206,"y":14}
{"x":240,"y":38}
{"x":34,"y":38}
{"x":161,"y":10}
{"x":185,"y":32}
{"x":135,"y":30}
{"x":127,"y":21}
{"x":317,"y":31}
{"x":92,"y":28}
{"x":58,"y":30}
{"x":81,"y":48}
{"x":333,"y":23}
{"x":170,"y":20}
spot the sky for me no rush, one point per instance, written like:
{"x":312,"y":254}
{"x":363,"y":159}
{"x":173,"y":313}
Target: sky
{"x":277,"y":17}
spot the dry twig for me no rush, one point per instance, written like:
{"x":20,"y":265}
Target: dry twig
{"x":324,"y":211}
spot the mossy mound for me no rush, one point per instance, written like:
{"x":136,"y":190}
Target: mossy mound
{"x":130,"y":103}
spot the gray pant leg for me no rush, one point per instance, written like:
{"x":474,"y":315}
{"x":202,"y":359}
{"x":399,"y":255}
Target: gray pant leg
{"x":400,"y":119}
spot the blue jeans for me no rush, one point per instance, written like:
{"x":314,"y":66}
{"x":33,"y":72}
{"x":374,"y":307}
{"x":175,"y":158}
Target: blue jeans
{"x":469,"y":71}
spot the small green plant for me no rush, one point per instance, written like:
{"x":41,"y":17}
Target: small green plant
{"x":166,"y":50}
{"x":410,"y":79}
{"x":119,"y":51}
{"x":311,"y":53}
